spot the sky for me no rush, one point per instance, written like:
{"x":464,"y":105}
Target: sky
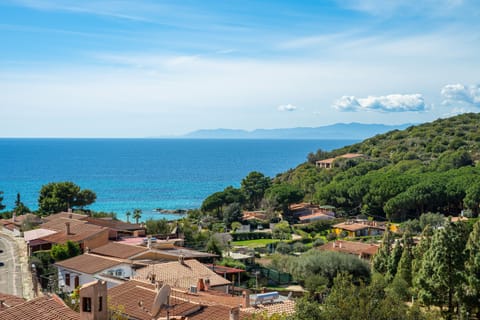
{"x":152,"y":68}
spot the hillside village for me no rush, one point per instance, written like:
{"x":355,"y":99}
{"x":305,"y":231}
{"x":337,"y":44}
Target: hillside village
{"x":316,"y":242}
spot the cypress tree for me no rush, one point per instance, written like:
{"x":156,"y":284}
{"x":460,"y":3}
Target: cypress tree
{"x":404,"y":270}
{"x":472,"y":268}
{"x":382,"y":257}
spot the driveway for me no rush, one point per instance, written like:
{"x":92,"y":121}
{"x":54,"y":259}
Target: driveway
{"x":10,"y":272}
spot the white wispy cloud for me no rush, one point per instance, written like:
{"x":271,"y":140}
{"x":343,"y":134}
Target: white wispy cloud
{"x":287,"y":107}
{"x":389,"y":103}
{"x":461,"y":97}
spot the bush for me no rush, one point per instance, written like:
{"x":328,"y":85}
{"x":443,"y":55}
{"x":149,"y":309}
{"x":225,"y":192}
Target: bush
{"x":331,"y":236}
{"x":242,"y":236}
{"x":318,"y":242}
{"x":283,"y":248}
{"x":299,"y":247}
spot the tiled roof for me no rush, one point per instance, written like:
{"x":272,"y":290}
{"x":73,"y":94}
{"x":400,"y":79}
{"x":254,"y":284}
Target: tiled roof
{"x":210,"y":298}
{"x":79,"y":230}
{"x":319,"y":215}
{"x":118,"y":250}
{"x":351,"y":226}
{"x":352,"y":247}
{"x":136,"y":299}
{"x":114,"y":224}
{"x":37,"y":234}
{"x":286,"y":307}
{"x":43,"y":308}
{"x":181,"y":275}
{"x":9,"y":301}
{"x":68,"y":215}
{"x":88,"y":263}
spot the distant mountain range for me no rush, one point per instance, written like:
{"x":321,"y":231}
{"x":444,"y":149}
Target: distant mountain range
{"x":331,"y":132}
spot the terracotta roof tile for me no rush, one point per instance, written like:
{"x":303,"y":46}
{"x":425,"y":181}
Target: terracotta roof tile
{"x":88,"y":263}
{"x":118,"y":250}
{"x":68,"y":215}
{"x":114,"y":224}
{"x":9,"y":301}
{"x":43,"y":308}
{"x":79,"y":230}
{"x":181,"y":275}
{"x":351,"y":247}
{"x":286,"y":307}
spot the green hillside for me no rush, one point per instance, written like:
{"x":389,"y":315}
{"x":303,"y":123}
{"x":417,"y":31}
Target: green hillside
{"x":429,"y":167}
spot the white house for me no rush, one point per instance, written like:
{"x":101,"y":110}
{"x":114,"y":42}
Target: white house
{"x":86,"y":268}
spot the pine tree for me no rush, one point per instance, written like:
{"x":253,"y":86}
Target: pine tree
{"x":382,"y":257}
{"x":404,"y":270}
{"x":441,"y":272}
{"x":472,"y":268}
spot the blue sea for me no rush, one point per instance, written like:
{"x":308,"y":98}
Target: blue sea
{"x":144,"y":173}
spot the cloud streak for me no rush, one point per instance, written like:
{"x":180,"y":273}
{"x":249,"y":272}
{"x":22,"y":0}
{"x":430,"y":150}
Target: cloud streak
{"x":389,"y":103}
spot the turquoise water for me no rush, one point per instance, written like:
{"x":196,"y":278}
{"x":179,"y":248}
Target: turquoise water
{"x":144,"y":173}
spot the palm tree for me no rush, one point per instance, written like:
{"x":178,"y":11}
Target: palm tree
{"x":128,"y":214}
{"x":137,"y":214}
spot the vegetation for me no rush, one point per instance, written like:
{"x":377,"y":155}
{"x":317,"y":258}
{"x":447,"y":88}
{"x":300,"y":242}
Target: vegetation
{"x":60,"y":196}
{"x":2,"y":206}
{"x":137,"y":214}
{"x":65,"y":251}
{"x":159,"y":226}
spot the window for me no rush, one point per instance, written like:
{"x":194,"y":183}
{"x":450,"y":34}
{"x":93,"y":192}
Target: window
{"x":77,"y":281}
{"x":100,"y":303}
{"x":87,"y":305}
{"x":119,"y":272}
{"x":67,"y":279}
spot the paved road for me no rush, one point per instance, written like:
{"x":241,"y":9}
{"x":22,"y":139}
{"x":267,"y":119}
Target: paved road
{"x":10,"y":273}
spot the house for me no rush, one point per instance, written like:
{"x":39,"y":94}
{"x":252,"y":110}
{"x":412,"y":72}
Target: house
{"x":359,"y":249}
{"x":166,"y":251}
{"x":307,"y":212}
{"x":118,"y":229}
{"x":76,"y":230}
{"x":316,"y":217}
{"x":65,"y":215}
{"x":8,"y":301}
{"x":16,"y":223}
{"x":34,"y":241}
{"x":87,"y":267}
{"x":119,"y":250}
{"x":359,"y":228}
{"x":182,"y":274}
{"x":254,"y":215}
{"x":228,"y":273}
{"x":328,"y":163}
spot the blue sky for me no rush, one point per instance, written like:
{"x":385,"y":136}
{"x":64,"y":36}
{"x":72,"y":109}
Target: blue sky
{"x":163,"y":68}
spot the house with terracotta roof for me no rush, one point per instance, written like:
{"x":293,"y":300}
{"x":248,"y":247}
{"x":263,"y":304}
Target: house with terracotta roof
{"x":182,"y":274}
{"x":359,"y":249}
{"x":359,"y":228}
{"x":118,"y":229}
{"x":87,"y":267}
{"x":328,"y":163}
{"x":76,"y":230}
{"x":16,"y":223}
{"x":8,"y":301}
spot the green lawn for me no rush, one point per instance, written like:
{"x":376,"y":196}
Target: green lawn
{"x":254,"y":243}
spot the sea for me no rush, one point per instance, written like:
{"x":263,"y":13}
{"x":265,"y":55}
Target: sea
{"x":147,"y":174}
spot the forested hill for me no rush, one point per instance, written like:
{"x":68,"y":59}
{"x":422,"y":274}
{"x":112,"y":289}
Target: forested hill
{"x":429,"y":167}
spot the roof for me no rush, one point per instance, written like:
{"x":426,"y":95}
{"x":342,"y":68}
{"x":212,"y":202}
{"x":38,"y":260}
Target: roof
{"x":351,"y":247}
{"x":118,"y":250}
{"x":114,"y":224}
{"x":177,"y":252}
{"x":286,"y":307}
{"x":136,"y":299}
{"x":317,"y":216}
{"x":49,"y":307}
{"x":37,"y":234}
{"x":79,"y":230}
{"x":88,"y":263}
{"x":180,"y":275}
{"x":223,"y":270}
{"x":9,"y":301}
{"x":351,"y":226}
{"x":68,"y":215}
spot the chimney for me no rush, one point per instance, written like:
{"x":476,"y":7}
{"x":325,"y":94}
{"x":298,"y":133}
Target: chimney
{"x":14,"y":216}
{"x":200,"y":285}
{"x":69,"y":210}
{"x":246,"y":298}
{"x":207,"y":284}
{"x":67,"y":224}
{"x":181,"y":259}
{"x":1,"y":304}
{"x":149,"y":243}
{"x":235,"y":313}
{"x":69,"y":216}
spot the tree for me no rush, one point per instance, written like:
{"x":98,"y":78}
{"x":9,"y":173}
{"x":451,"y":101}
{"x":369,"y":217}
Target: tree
{"x":233,"y":213}
{"x":382,"y":257}
{"x":159,"y":226}
{"x":128,"y":214}
{"x":213,"y":202}
{"x":60,"y":196}
{"x":472,"y":268}
{"x":253,"y":187}
{"x":393,"y":260}
{"x":404,"y":270}
{"x":472,"y":198}
{"x":20,"y":208}
{"x":213,"y":246}
{"x":1,"y":199}
{"x":65,"y":251}
{"x":440,"y":275}
{"x":137,"y":214}
{"x":280,"y":196}
{"x":282,"y":231}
